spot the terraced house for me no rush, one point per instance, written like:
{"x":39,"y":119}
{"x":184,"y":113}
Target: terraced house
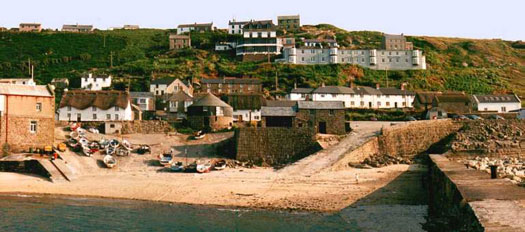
{"x":95,"y":106}
{"x":230,"y":85}
{"x":259,"y":41}
{"x":195,"y":27}
{"x":26,"y":116}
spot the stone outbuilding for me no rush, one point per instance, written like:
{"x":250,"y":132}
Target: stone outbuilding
{"x":210,"y":113}
{"x":456,"y":103}
{"x":326,"y":117}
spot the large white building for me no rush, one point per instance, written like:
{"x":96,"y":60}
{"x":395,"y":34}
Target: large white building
{"x":195,"y":27}
{"x":18,"y":81}
{"x":358,"y":97}
{"x":259,"y":38}
{"x":91,"y":82}
{"x":235,"y":28}
{"x":373,"y":59}
{"x":95,"y":106}
{"x":497,"y":103}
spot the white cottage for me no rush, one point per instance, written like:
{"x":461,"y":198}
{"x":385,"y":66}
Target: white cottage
{"x":246,"y":107}
{"x":497,"y":103}
{"x":18,"y":81}
{"x":91,"y":82}
{"x":300,"y":94}
{"x":95,"y":106}
{"x":334,"y":93}
{"x":395,"y":98}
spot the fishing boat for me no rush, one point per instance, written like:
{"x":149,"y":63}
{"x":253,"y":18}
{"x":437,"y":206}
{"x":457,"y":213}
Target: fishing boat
{"x":191,"y":167}
{"x":127,"y":145}
{"x":113,"y":143}
{"x":166,"y":159}
{"x":143,"y":149}
{"x":88,"y":151}
{"x":199,"y":135}
{"x":81,"y":132}
{"x":219,"y":165}
{"x":73,"y":135}
{"x":177,"y":167}
{"x":121,"y":151}
{"x":83,"y":141}
{"x":110,"y":161}
{"x":110,"y":150}
{"x":72,"y":142}
{"x":103,"y":143}
{"x":74,"y":126}
{"x":203,"y":168}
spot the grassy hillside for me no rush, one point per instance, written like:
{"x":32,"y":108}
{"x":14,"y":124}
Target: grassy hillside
{"x":474,"y":66}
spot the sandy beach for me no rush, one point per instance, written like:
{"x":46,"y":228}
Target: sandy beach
{"x":139,"y":177}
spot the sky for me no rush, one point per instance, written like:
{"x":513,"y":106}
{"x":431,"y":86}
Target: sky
{"x":502,"y":19}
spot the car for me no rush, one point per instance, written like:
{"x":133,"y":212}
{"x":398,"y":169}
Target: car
{"x":497,"y":117}
{"x":474,"y":117}
{"x":411,"y":118}
{"x":373,"y":119}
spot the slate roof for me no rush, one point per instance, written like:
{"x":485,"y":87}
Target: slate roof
{"x":302,"y":90}
{"x":163,"y":81}
{"x":196,"y":25}
{"x":210,"y":100}
{"x":179,"y":96}
{"x":238,"y":22}
{"x":497,"y":98}
{"x":326,"y":105}
{"x":365,"y":90}
{"x":261,"y":25}
{"x":25,"y":90}
{"x":141,"y":94}
{"x":395,"y":91}
{"x":231,"y":81}
{"x":278,"y":103}
{"x":334,"y":89}
{"x":280,"y":111}
{"x":76,"y":26}
{"x":82,"y":99}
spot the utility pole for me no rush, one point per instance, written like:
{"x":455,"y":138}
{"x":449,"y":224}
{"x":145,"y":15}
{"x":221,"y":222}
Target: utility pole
{"x":276,"y":81}
{"x":386,"y":76}
{"x":104,"y":40}
{"x":111,"y":59}
{"x":29,"y":65}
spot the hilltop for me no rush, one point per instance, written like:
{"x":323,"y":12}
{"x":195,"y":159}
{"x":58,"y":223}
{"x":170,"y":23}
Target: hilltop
{"x":471,"y":65}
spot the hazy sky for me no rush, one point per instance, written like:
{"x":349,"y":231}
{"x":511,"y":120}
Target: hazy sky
{"x":454,"y":18}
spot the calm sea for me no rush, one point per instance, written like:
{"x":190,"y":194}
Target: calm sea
{"x":35,"y":213}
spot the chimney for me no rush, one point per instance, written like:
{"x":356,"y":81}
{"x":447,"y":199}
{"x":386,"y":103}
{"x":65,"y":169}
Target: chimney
{"x":377,"y":85}
{"x":403,"y":86}
{"x":352,"y":84}
{"x":322,"y":84}
{"x":295,"y":85}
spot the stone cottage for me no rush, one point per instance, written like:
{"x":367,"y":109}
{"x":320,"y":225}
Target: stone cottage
{"x":456,"y":103}
{"x":176,"y":105}
{"x":27,"y":116}
{"x":326,"y":117}
{"x":210,"y":113}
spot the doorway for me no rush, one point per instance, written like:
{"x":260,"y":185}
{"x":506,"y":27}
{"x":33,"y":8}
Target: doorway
{"x":79,"y":117}
{"x":322,"y":127}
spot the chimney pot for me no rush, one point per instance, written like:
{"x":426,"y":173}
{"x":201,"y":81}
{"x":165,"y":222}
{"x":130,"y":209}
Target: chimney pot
{"x":377,"y":86}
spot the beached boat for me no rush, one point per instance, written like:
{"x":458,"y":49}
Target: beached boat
{"x":191,"y":167}
{"x":74,"y":126}
{"x":199,"y":135}
{"x":81,"y":132}
{"x":83,"y":141}
{"x":219,"y":165}
{"x":203,"y":168}
{"x":177,"y":167}
{"x":72,"y":142}
{"x":143,"y":149}
{"x":127,"y":145}
{"x":120,"y":151}
{"x":114,"y":143}
{"x":88,"y":151}
{"x":73,"y":135}
{"x":110,"y":161}
{"x":166,"y":159}
{"x":110,"y":150}
{"x":103,"y":143}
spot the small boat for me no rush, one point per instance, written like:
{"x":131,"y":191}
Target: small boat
{"x":177,"y":167}
{"x":61,"y":147}
{"x":120,"y":151}
{"x":199,"y":135}
{"x":143,"y":149}
{"x":73,"y":135}
{"x":219,"y":165}
{"x":83,"y":141}
{"x":93,"y":130}
{"x":110,"y":161}
{"x":72,"y":142}
{"x":166,"y":159}
{"x":127,"y":145}
{"x":88,"y":151}
{"x":74,"y":126}
{"x":110,"y":150}
{"x":114,"y":143}
{"x":81,"y":132}
{"x":94,"y":145}
{"x":203,"y":168}
{"x":191,"y":167}
{"x":103,"y":143}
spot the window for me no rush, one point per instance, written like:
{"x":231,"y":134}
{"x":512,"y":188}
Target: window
{"x":378,"y":103}
{"x":94,"y":116}
{"x":116,"y":108}
{"x":332,"y":112}
{"x":302,"y":58}
{"x":352,"y":103}
{"x":69,"y":108}
{"x":334,"y":95}
{"x":322,"y":95}
{"x":108,"y":116}
{"x":204,"y":108}
{"x":503,"y":109}
{"x":38,"y":107}
{"x":256,"y":117}
{"x":387,"y":103}
{"x":32,"y":127}
{"x":93,"y":108}
{"x":69,"y":116}
{"x":116,"y":116}
{"x":362,"y":103}
{"x":404,"y":104}
{"x":142,"y":101}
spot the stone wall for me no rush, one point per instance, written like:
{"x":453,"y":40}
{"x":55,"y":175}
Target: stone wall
{"x":413,"y":138}
{"x":368,"y":149}
{"x":146,"y":127}
{"x":335,"y":124}
{"x":274,"y":145}
{"x":19,"y":137}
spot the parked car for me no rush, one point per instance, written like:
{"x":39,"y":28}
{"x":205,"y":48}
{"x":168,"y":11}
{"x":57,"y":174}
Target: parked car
{"x":474,"y":117}
{"x":411,"y":118}
{"x":495,"y":116}
{"x":373,"y":119}
{"x":459,"y":117}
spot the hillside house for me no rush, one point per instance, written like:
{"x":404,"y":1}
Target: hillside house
{"x":131,"y":27}
{"x":225,"y":46}
{"x":259,"y":41}
{"x":179,"y":41}
{"x":177,"y":104}
{"x":230,"y":85}
{"x":95,"y":106}
{"x":77,"y":28}
{"x":27,"y":116}
{"x":169,"y":86}
{"x":144,"y":100}
{"x":396,"y":42}
{"x":60,"y":83}
{"x":18,"y":81}
{"x":235,"y":27}
{"x":196,"y":27}
{"x":300,"y":94}
{"x":395,"y":98}
{"x":456,"y":103}
{"x":320,"y":43}
{"x":334,"y":93}
{"x":92,"y":82}
{"x":30,"y":27}
{"x":246,"y":107}
{"x":497,"y":103}
{"x":210,"y":113}
{"x":289,"y":22}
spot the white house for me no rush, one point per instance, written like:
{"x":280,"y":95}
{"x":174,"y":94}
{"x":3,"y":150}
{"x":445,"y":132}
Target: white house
{"x":497,"y":103}
{"x":300,"y":94}
{"x":163,"y":86}
{"x":91,"y":82}
{"x":18,"y":81}
{"x":334,"y":93}
{"x":395,"y":98}
{"x":235,"y":28}
{"x":196,"y":27}
{"x":246,"y":107}
{"x":178,"y":103}
{"x":95,"y":106}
